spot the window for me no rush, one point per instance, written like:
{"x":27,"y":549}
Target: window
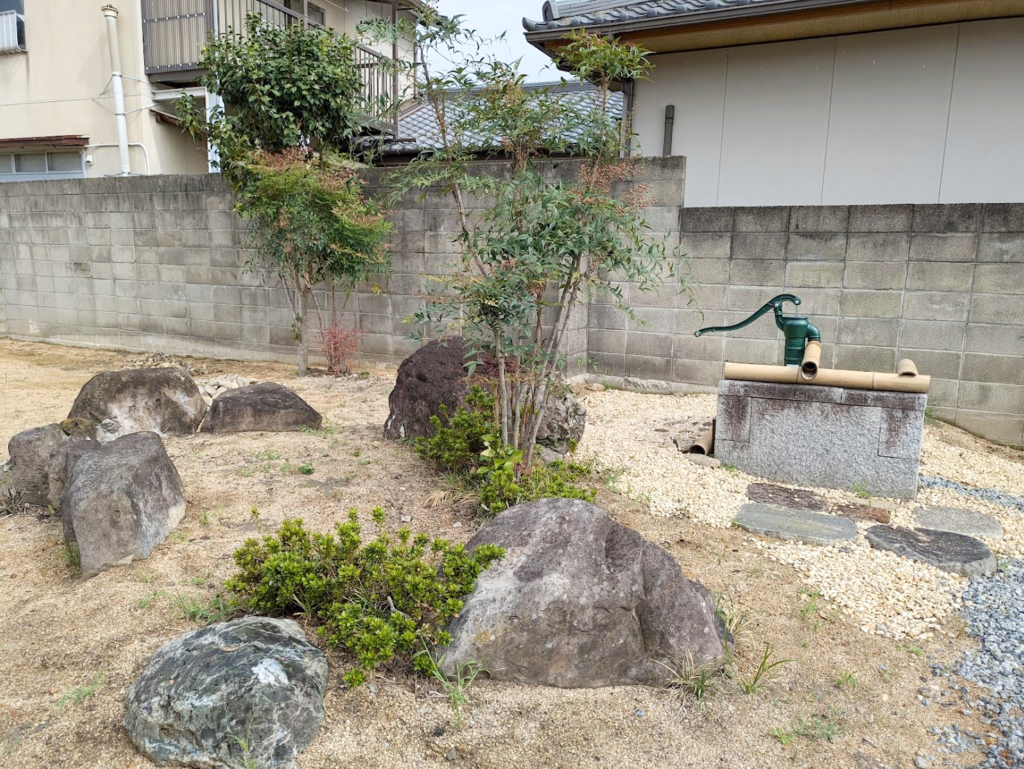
{"x":31,"y":166}
{"x":317,"y":16}
{"x":12,"y":26}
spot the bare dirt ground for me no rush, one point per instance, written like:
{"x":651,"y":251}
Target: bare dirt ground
{"x":847,"y":699}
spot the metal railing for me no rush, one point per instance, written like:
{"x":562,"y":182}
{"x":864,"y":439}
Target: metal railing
{"x":175,"y":31}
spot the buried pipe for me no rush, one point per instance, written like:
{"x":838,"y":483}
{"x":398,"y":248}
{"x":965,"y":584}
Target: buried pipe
{"x":705,"y":444}
{"x":906,"y":367}
{"x":812,"y":357}
{"x":852,"y":380}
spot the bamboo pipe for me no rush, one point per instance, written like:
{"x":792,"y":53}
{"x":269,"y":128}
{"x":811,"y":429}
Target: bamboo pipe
{"x":906,"y":367}
{"x":812,"y":357}
{"x":852,"y":380}
{"x":706,"y":443}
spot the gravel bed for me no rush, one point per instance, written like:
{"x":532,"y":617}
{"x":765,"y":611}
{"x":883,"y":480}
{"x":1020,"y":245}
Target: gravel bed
{"x":994,"y":610}
{"x":989,"y":495}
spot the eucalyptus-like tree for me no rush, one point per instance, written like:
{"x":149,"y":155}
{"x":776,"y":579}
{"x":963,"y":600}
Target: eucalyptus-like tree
{"x":293,"y":113}
{"x":540,"y":245}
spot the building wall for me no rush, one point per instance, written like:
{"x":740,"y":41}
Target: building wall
{"x":61,"y":87}
{"x":921,"y":115}
{"x":157,"y":264}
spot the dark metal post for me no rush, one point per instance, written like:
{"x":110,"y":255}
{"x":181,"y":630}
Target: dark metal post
{"x":670,"y":119}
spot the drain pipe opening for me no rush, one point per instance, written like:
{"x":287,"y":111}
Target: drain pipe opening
{"x":117,"y":86}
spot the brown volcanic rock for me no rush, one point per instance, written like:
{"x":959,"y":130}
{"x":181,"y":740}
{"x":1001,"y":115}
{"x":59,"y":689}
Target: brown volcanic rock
{"x":266,"y":406}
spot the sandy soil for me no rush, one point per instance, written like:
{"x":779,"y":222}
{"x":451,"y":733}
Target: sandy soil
{"x":58,"y":632}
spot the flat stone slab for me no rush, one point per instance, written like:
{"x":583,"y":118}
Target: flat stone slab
{"x":794,"y":499}
{"x":955,"y":553}
{"x":953,"y":519}
{"x":795,"y":525}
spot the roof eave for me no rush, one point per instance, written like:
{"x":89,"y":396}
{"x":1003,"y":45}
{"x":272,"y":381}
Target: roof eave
{"x":690,"y":19}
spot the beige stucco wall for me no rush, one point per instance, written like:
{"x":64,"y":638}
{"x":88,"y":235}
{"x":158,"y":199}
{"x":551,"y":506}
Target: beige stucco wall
{"x":924,"y":115}
{"x":61,"y":85}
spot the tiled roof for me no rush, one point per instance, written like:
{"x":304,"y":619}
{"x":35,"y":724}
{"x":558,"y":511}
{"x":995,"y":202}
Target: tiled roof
{"x":418,"y":131}
{"x":598,"y":13}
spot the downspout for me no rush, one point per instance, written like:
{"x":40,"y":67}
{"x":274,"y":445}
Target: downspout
{"x":629,"y":102}
{"x":670,"y":119}
{"x":117,"y":86}
{"x":213,"y":101}
{"x":394,"y":60}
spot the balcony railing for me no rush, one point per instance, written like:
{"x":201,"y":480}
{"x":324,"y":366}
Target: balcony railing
{"x":175,"y":31}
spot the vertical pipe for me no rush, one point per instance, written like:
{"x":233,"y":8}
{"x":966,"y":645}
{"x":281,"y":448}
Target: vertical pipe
{"x":117,"y":86}
{"x":670,"y":119}
{"x":212,"y":100}
{"x":394,"y":60}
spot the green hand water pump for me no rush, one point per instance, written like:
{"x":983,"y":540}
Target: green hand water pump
{"x":796,"y":328}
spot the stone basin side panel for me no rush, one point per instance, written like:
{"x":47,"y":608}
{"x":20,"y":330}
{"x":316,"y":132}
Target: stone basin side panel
{"x":822,"y":436}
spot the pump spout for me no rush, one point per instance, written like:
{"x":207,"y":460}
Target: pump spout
{"x":772,"y":304}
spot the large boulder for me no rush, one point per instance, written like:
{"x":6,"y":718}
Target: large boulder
{"x":121,"y":501}
{"x":30,"y":458}
{"x":62,"y":462}
{"x":436,"y":375}
{"x":581,"y":601}
{"x":433,"y":376}
{"x":249,"y":692}
{"x":266,"y":406}
{"x":161,"y":400}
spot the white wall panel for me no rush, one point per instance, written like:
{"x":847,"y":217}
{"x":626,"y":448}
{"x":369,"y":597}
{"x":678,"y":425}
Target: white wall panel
{"x":890,"y":105}
{"x":776,"y":123}
{"x":695,"y":83}
{"x":984,"y":161}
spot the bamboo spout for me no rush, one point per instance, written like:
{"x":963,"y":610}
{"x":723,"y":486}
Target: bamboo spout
{"x":852,"y":380}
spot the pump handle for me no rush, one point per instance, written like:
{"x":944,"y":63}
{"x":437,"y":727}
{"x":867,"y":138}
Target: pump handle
{"x":772,"y":304}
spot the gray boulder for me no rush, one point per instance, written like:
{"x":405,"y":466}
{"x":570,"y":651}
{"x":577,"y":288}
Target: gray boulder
{"x":121,"y":501}
{"x":266,"y":406}
{"x":30,"y":459}
{"x":249,"y":692}
{"x":580,"y":601}
{"x":563,"y":423}
{"x":436,"y":375}
{"x":62,"y":462}
{"x":162,"y":400}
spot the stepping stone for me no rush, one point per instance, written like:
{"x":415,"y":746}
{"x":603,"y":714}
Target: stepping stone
{"x":862,"y":513}
{"x":799,"y":499}
{"x":796,"y":525}
{"x":958,"y":521}
{"x":955,"y":553}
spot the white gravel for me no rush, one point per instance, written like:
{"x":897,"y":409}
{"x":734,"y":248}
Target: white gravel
{"x":885,"y":594}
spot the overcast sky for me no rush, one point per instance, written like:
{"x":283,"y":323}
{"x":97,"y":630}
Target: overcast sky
{"x":492,"y":17}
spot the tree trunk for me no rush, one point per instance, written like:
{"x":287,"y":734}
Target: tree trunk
{"x":303,"y":330}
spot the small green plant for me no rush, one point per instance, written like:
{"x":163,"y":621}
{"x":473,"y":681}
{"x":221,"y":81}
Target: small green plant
{"x":861,"y":490}
{"x":458,"y":441}
{"x":178,"y":537}
{"x":690,"y":679}
{"x":380,"y":601}
{"x":204,"y":518}
{"x":916,"y":649}
{"x":736,"y":622}
{"x":730,"y":467}
{"x":455,"y":686}
{"x":845,"y":678}
{"x":147,"y":601}
{"x":244,"y":471}
{"x":254,"y":513}
{"x":81,"y":693}
{"x":72,"y":555}
{"x":196,"y":610}
{"x":782,"y":736}
{"x":356,"y":453}
{"x":497,"y":457}
{"x":810,"y":602}
{"x":306,"y":468}
{"x":505,"y":488}
{"x":826,"y":726}
{"x":765,"y":672}
{"x":148,"y":578}
{"x":267,"y":456}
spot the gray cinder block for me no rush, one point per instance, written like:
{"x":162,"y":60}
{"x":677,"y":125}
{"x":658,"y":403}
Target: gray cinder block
{"x":822,"y":436}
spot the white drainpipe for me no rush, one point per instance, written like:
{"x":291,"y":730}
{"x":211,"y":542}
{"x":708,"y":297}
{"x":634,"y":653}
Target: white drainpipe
{"x":117,"y":86}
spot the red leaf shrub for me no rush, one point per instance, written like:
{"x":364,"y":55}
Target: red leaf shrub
{"x":338,"y":345}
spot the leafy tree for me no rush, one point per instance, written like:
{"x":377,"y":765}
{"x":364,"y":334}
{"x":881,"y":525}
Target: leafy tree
{"x":293,"y":112}
{"x":540,"y":246}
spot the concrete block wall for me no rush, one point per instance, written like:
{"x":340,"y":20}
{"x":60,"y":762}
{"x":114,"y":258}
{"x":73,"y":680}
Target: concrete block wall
{"x":156,"y":263}
{"x":941,"y":284}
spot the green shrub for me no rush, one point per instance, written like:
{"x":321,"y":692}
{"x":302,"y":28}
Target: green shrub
{"x":503,"y":488}
{"x":458,"y":441}
{"x":380,"y":601}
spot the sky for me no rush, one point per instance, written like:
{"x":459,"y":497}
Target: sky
{"x":492,"y":17}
